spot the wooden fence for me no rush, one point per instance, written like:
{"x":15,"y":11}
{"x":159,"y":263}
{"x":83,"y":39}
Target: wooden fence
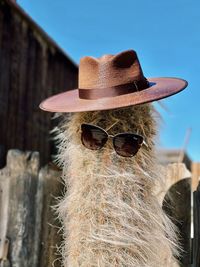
{"x":30,"y":233}
{"x":28,"y":228}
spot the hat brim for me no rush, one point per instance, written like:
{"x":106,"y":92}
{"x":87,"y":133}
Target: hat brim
{"x":70,"y":102}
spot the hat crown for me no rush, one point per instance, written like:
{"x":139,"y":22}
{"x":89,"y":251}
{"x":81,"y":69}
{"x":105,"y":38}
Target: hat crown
{"x":109,"y":70}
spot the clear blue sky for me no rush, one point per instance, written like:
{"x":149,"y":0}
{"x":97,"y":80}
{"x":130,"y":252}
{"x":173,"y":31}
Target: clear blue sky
{"x":165,"y":34}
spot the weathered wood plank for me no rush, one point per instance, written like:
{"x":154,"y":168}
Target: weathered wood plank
{"x":4,"y":199}
{"x":20,"y":220}
{"x":5,"y":263}
{"x":12,"y":110}
{"x":196,"y":240}
{"x":32,"y":67}
{"x":195,"y":175}
{"x":50,"y":184}
{"x":22,"y":89}
{"x":179,"y":193}
{"x":5,"y":56}
{"x":173,"y":173}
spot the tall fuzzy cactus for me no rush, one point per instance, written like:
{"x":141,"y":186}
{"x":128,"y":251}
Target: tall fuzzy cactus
{"x":110,"y":213}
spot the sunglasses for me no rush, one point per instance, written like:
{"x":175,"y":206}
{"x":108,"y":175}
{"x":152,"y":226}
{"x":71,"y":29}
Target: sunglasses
{"x":125,"y":144}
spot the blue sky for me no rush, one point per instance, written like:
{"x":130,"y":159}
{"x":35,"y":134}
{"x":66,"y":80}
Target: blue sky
{"x":165,"y":34}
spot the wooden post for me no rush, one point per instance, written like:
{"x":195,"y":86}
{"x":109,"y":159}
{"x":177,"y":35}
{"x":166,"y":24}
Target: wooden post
{"x":51,"y":188}
{"x":173,"y":173}
{"x":179,"y":193}
{"x":4,"y":241}
{"x":4,"y":199}
{"x":196,"y":240}
{"x":18,"y":207}
{"x":195,"y":175}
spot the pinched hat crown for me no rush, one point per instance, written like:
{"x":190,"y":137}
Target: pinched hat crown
{"x":110,"y":75}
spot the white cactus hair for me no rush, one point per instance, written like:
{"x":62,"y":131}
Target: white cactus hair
{"x":110,"y":214}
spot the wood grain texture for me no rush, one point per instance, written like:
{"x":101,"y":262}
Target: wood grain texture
{"x":195,"y":175}
{"x":179,"y":193}
{"x":196,"y":241}
{"x":51,"y":187}
{"x":27,"y":218}
{"x":21,"y":213}
{"x":32,"y":67}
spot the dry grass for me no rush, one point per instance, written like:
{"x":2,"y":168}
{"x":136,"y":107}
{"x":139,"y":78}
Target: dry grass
{"x":110,"y":214}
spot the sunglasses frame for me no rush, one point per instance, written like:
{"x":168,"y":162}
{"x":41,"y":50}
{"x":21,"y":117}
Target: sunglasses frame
{"x":113,"y":137}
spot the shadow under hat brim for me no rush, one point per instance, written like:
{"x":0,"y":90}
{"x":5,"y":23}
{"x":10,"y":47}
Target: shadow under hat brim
{"x":70,"y":102}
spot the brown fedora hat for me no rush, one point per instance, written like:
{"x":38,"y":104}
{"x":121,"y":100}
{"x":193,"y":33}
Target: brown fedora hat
{"x":112,"y":81}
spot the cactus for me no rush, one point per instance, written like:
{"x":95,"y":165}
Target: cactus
{"x":110,"y":213}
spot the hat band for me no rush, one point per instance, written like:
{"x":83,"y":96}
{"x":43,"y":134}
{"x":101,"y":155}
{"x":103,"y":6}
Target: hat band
{"x":117,"y":90}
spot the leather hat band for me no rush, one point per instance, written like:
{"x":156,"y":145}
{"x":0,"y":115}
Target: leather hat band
{"x":114,"y":90}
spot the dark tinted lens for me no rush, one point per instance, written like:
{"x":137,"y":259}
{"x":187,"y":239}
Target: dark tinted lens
{"x":93,"y":137}
{"x":127,"y":145}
